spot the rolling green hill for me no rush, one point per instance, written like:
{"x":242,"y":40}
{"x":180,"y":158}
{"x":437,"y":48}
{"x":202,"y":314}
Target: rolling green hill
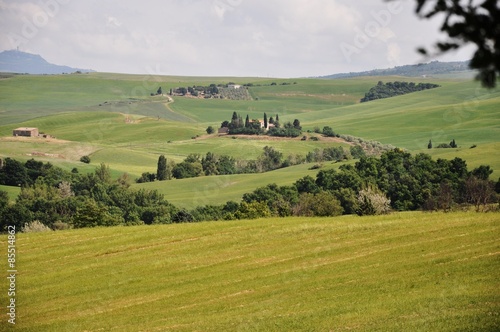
{"x":113,"y":118}
{"x":401,"y":272}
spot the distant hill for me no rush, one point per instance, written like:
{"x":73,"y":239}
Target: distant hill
{"x":26,"y":63}
{"x":421,"y":69}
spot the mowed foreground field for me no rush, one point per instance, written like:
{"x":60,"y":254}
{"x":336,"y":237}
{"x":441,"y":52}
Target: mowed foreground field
{"x":401,"y":272}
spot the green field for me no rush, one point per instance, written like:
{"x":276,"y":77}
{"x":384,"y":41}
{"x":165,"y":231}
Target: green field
{"x":113,"y":118}
{"x":401,"y":272}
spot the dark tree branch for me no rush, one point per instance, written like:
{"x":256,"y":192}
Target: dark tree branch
{"x":466,"y":22}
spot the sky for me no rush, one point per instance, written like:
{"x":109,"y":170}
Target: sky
{"x":245,"y":38}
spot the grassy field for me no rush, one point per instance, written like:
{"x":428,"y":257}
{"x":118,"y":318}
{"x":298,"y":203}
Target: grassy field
{"x":113,"y":118}
{"x":401,"y":272}
{"x":216,"y":190}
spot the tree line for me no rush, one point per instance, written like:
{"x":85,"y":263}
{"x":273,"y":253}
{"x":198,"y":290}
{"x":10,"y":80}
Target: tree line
{"x":396,"y":181}
{"x":391,"y":89}
{"x":195,"y":165}
{"x":59,"y":199}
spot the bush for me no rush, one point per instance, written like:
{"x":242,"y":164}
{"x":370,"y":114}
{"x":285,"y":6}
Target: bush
{"x":322,"y":204}
{"x":253,"y":210}
{"x":373,"y":202}
{"x":328,"y":131}
{"x":35,"y":227}
{"x":85,"y":159}
{"x":59,"y":225}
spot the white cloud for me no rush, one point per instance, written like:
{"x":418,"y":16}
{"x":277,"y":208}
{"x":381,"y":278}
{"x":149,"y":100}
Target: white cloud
{"x":286,"y":38}
{"x":113,"y":22}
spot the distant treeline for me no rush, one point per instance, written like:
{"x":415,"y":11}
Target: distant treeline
{"x":421,"y":69}
{"x":52,"y":198}
{"x":195,"y":165}
{"x":392,"y":89}
{"x":223,"y":91}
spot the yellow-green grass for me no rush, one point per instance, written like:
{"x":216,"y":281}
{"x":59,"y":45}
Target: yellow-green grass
{"x":217,"y":190}
{"x":401,"y":272}
{"x":483,"y":154}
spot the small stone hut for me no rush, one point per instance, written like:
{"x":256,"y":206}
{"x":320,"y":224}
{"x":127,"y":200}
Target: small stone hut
{"x":25,"y":131}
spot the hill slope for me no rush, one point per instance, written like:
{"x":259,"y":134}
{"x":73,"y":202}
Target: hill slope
{"x":113,"y":118}
{"x":402,"y":272}
{"x":421,"y":69}
{"x":26,"y":63}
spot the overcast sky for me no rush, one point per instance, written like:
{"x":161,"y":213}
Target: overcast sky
{"x":275,"y":38}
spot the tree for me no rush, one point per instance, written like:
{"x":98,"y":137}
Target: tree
{"x":182,"y":216}
{"x":159,"y":91}
{"x":479,"y":192}
{"x":482,"y":172}
{"x":146,"y":177}
{"x":429,"y":146}
{"x":103,"y":173}
{"x":357,"y":152}
{"x":322,"y":204}
{"x":270,"y":159}
{"x":247,"y":122}
{"x":187,"y":169}
{"x":209,"y":164}
{"x":13,"y":173}
{"x":235,"y":116}
{"x":4,"y":202}
{"x":253,"y":210}
{"x":92,"y":214}
{"x":453,"y":144}
{"x":328,"y":131}
{"x":296,"y":124}
{"x":210,"y":130}
{"x":226,"y":165}
{"x":277,"y":118}
{"x":161,"y":171}
{"x":469,"y":22}
{"x":265,"y":120}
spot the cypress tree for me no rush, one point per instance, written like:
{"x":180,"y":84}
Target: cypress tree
{"x":161,"y":172}
{"x":265,"y":120}
{"x":429,"y":146}
{"x":247,"y":122}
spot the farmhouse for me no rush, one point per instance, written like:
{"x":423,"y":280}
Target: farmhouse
{"x":234,"y":86}
{"x":25,"y":131}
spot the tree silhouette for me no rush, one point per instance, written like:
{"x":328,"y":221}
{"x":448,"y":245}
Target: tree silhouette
{"x":161,"y":171}
{"x":466,"y":22}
